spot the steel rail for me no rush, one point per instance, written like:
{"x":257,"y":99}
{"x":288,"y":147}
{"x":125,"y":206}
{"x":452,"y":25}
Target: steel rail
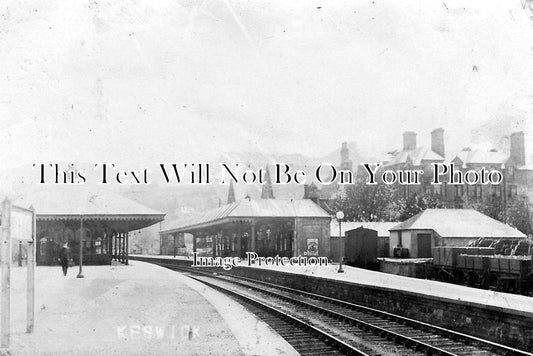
{"x":412,"y":322}
{"x":454,"y":335}
{"x":398,"y":338}
{"x":322,"y":335}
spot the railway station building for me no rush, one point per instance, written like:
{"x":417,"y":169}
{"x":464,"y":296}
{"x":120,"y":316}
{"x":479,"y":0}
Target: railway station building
{"x":269,"y":227}
{"x":446,"y":227}
{"x":103,"y":218}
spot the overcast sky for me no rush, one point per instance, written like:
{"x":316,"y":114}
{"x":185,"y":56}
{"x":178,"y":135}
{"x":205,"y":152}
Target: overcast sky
{"x":142,"y":82}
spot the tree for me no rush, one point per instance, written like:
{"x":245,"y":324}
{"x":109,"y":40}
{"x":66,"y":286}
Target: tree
{"x":518,"y":214}
{"x":493,"y":207}
{"x":366,"y":202}
{"x":416,"y":203}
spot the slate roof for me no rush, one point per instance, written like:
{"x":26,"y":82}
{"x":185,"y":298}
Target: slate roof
{"x":415,"y":157}
{"x":247,"y":209}
{"x":465,"y":223}
{"x":66,"y":200}
{"x":480,"y":157}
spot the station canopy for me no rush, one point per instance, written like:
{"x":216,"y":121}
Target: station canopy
{"x":246,"y":210}
{"x":68,"y":202}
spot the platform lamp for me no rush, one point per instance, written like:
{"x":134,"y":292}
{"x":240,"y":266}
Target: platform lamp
{"x":340,"y":216}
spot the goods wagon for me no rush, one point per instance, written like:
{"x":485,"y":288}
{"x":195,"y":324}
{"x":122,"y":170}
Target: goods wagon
{"x":505,"y":266}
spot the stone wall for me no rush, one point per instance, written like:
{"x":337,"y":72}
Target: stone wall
{"x":506,"y":326}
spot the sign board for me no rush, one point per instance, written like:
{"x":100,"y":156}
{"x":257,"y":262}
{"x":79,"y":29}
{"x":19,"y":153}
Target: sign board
{"x":16,"y":224}
{"x":312,"y":247}
{"x":21,"y":224}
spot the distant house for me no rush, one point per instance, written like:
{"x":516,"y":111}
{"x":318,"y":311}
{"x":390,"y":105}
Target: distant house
{"x":517,"y":171}
{"x":445,"y":227}
{"x":382,"y":229}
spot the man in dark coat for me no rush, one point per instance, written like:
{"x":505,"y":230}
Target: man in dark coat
{"x":64,"y":257}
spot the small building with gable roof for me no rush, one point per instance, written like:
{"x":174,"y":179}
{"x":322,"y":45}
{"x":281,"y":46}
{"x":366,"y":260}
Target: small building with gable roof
{"x":447,"y":227}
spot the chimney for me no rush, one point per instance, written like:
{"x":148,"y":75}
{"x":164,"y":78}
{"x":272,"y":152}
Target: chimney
{"x":518,"y":150}
{"x":231,"y":193}
{"x":311,"y":192}
{"x":345,"y":157}
{"x":437,"y":141}
{"x":266,"y":190}
{"x":409,"y":140}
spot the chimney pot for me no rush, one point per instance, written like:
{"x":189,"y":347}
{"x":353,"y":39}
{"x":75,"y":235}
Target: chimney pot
{"x":437,"y":141}
{"x":346,"y":163}
{"x":518,"y":150}
{"x":409,"y":140}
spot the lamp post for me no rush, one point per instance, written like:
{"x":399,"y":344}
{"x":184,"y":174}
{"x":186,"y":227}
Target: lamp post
{"x":340,"y":216}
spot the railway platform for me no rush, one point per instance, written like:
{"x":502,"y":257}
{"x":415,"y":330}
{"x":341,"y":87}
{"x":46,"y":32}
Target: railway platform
{"x":140,"y":309}
{"x":499,"y":317}
{"x":435,"y":289}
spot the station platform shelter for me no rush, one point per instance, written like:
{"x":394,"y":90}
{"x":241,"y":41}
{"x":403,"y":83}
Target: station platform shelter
{"x":103,"y":218}
{"x":268,"y":227}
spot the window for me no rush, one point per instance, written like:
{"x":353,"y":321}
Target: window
{"x":458,"y":190}
{"x":98,"y":245}
{"x":512,"y":191}
{"x":69,"y":235}
{"x":476,"y":191}
{"x":42,"y":246}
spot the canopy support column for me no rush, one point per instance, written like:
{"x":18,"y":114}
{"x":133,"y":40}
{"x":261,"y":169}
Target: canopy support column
{"x":295,"y":240}
{"x":30,"y":296}
{"x":252,"y":237}
{"x":127,"y":250}
{"x":80,"y":271}
{"x":238,"y":245}
{"x":110,"y":245}
{"x":174,"y":244}
{"x":122,"y":248}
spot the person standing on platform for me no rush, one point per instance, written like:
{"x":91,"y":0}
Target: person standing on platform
{"x":64,"y":257}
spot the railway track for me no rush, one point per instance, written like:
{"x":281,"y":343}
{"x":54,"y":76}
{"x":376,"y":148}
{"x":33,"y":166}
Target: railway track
{"x":305,"y":338}
{"x":330,"y":326}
